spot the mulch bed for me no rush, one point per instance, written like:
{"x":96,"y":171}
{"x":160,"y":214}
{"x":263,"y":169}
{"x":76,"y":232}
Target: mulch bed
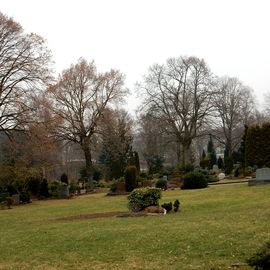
{"x":108,"y":214}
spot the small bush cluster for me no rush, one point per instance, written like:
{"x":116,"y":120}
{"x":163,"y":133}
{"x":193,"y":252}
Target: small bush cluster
{"x":141,"y":198}
{"x":194,"y":180}
{"x":169,"y":206}
{"x":161,"y":183}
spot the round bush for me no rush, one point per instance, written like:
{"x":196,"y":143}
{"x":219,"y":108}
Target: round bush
{"x":140,"y":198}
{"x":161,"y":183}
{"x":194,"y":180}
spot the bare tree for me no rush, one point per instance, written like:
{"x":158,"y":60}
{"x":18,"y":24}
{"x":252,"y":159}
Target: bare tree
{"x":179,"y":94}
{"x":234,"y":104}
{"x":78,"y":101}
{"x":24,"y":62}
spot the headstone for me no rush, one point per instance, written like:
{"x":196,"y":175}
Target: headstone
{"x":16,"y":198}
{"x":165,"y":177}
{"x":221,"y":176}
{"x":63,"y":192}
{"x":262,"y":177}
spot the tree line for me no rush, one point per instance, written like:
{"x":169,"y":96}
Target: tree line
{"x":183,"y":103}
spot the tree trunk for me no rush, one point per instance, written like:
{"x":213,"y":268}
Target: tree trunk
{"x":186,"y":155}
{"x":88,"y":163}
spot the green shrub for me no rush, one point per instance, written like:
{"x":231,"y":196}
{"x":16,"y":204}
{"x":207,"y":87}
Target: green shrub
{"x":194,"y":180}
{"x":161,"y":183}
{"x":113,"y":187}
{"x":64,"y":178}
{"x":73,"y":187}
{"x":53,"y":188}
{"x":44,"y":190}
{"x":25,"y":196}
{"x":33,"y":185}
{"x":176,"y":205}
{"x":167,"y":206}
{"x":131,"y":178}
{"x":4,"y":196}
{"x":9,"y":202}
{"x":228,"y":165}
{"x":261,"y":260}
{"x":141,"y":198}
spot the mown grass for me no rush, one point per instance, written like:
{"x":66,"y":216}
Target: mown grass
{"x":217,"y":227}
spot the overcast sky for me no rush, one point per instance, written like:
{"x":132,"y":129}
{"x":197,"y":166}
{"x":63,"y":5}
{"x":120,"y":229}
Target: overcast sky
{"x":231,"y":35}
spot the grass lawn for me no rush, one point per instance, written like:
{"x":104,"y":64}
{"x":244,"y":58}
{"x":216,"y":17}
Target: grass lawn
{"x":217,"y":227}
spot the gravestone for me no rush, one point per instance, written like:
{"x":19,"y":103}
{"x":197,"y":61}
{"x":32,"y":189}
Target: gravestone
{"x":16,"y":198}
{"x":165,"y":177}
{"x":63,"y":192}
{"x":262,"y":177}
{"x":221,"y":176}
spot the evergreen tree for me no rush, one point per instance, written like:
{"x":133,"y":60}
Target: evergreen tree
{"x":257,"y":146}
{"x":203,"y":155}
{"x":220,"y":163}
{"x":242,"y":148}
{"x":211,"y":153}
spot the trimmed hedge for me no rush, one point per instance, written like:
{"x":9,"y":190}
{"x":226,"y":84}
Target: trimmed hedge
{"x":131,"y":178}
{"x":161,"y":183}
{"x":194,"y":180}
{"x":141,"y":198}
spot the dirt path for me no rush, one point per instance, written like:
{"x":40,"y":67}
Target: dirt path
{"x":106,"y":214}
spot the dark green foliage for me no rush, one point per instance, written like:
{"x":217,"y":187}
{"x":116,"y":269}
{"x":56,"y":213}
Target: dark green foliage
{"x":131,"y":178}
{"x":228,"y":165}
{"x":113,"y":187}
{"x":161,"y":183}
{"x":25,"y":196}
{"x":226,"y":152}
{"x":257,"y":147}
{"x":242,"y":148}
{"x":97,"y":174}
{"x":203,"y":155}
{"x":4,"y":196}
{"x":143,"y":175}
{"x":236,"y":156}
{"x":204,"y":163}
{"x":211,"y":154}
{"x":261,"y":260}
{"x":167,"y":206}
{"x":141,"y":198}
{"x":237,"y":171}
{"x":194,"y":180}
{"x":188,"y":168}
{"x":133,"y":160}
{"x":220,"y":163}
{"x":176,"y":205}
{"x":12,"y":189}
{"x":155,"y":164}
{"x":9,"y":202}
{"x":73,"y":187}
{"x":64,"y":178}
{"x":33,"y":185}
{"x":44,"y":189}
{"x":205,"y":172}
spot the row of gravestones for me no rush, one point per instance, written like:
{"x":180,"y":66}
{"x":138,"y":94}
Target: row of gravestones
{"x":262,"y":177}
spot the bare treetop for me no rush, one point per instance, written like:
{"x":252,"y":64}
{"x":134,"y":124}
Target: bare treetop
{"x":78,"y":100}
{"x":81,"y":95}
{"x":179,"y":93}
{"x":24,"y":61}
